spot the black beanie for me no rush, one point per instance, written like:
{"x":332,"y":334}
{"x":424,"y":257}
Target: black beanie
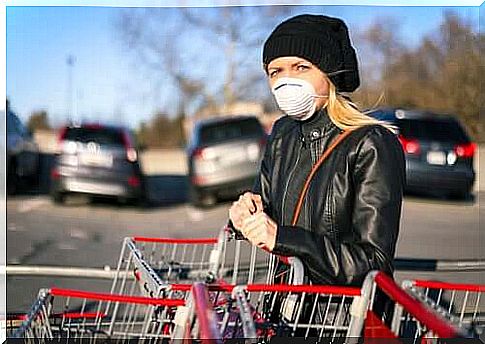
{"x":322,"y":40}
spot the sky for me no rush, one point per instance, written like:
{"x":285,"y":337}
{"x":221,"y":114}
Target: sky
{"x":108,"y":85}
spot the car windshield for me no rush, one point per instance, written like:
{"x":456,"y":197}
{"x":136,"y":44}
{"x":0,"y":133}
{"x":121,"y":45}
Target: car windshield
{"x":102,"y":136}
{"x":433,"y":129}
{"x":230,"y":130}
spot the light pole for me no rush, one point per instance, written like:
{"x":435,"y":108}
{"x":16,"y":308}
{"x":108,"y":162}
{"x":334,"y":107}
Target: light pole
{"x":70,"y":90}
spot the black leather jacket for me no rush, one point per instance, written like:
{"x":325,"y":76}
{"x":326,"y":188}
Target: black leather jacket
{"x":350,"y":219}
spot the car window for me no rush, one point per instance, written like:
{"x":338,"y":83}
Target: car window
{"x":102,"y":136}
{"x":433,"y":129}
{"x":230,"y":130}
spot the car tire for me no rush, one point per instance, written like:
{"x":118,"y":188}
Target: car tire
{"x":34,"y":180}
{"x":58,"y":197}
{"x":13,"y":179}
{"x":461,"y":195}
{"x":142,"y":201}
{"x":202,"y":199}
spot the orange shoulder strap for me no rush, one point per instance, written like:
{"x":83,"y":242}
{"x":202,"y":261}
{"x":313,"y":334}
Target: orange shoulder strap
{"x":315,"y":167}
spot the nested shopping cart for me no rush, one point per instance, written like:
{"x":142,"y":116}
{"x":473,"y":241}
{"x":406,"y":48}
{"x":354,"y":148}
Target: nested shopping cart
{"x":76,"y":315}
{"x":150,"y":265}
{"x":380,"y":309}
{"x":218,"y":312}
{"x":461,"y":304}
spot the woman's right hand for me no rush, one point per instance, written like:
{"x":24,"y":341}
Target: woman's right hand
{"x":247,"y":205}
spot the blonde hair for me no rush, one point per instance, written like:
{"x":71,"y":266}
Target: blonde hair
{"x":346,"y":115}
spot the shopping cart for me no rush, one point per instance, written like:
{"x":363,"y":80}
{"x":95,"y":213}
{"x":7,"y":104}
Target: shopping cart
{"x":147,"y":265}
{"x":76,"y":315}
{"x":461,"y":304}
{"x":150,"y":265}
{"x":390,"y":312}
{"x":331,"y":313}
{"x":218,"y":312}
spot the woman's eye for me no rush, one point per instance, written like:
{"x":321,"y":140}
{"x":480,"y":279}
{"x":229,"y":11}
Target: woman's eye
{"x":302,"y":67}
{"x":273,"y":73}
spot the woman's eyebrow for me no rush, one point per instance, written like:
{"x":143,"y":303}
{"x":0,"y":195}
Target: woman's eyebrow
{"x":300,"y":62}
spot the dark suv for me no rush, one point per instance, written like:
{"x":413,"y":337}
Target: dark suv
{"x":97,"y":160}
{"x":439,"y":153}
{"x":23,"y":158}
{"x":223,"y":157}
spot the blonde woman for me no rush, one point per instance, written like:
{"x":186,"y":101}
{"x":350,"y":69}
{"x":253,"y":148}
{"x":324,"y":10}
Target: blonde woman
{"x":338,"y":213}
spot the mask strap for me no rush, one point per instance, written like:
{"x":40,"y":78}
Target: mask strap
{"x":339,"y":72}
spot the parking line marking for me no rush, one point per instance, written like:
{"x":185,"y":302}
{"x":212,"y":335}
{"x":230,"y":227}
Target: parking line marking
{"x":31,"y":204}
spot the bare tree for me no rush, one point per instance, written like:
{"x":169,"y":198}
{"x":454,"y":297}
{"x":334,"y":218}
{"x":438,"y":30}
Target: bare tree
{"x":209,"y":56}
{"x":443,"y":73}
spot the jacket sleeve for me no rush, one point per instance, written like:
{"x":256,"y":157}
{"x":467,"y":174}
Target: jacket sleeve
{"x":262,"y":183}
{"x":378,"y":186}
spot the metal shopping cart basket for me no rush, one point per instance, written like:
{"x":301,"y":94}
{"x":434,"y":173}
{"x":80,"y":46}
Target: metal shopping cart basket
{"x":340,"y":314}
{"x":256,"y":311}
{"x":461,"y":304}
{"x":149,"y":265}
{"x":76,"y":315}
{"x":146,"y":266}
{"x":405,"y":316}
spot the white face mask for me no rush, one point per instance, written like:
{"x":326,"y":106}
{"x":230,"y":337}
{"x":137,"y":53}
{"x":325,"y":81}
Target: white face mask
{"x":295,"y":97}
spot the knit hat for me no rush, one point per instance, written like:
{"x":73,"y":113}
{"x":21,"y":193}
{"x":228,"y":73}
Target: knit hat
{"x":322,"y":40}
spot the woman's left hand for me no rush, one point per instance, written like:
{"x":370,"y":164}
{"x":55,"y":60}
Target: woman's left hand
{"x":260,"y":230}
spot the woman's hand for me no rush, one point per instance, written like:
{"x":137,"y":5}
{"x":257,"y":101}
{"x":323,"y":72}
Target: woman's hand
{"x":260,"y":230}
{"x":247,"y":205}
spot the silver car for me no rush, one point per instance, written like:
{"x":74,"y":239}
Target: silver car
{"x":96,"y":159}
{"x":223,"y":157}
{"x":22,"y":154}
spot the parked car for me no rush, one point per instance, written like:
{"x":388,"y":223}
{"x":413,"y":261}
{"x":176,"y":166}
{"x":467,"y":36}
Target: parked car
{"x":22,"y":154}
{"x":97,"y":159}
{"x":223,"y":157}
{"x":439,"y":153}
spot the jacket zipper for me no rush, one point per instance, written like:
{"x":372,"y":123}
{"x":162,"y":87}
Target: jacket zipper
{"x":288,"y":183}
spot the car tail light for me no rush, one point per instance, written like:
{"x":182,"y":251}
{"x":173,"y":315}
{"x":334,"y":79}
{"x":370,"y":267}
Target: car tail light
{"x":410,"y":146}
{"x":93,"y":126}
{"x":203,"y":154}
{"x":198,"y":180}
{"x":465,"y":150}
{"x":134,"y":181}
{"x":131,"y":154}
{"x":55,"y":173}
{"x":198,"y":153}
{"x":62,"y":134}
{"x":60,"y":139}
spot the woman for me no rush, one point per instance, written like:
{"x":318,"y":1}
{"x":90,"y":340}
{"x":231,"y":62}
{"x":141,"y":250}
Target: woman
{"x":348,"y":221}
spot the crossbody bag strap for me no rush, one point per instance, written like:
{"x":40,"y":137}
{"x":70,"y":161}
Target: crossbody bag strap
{"x":314,"y":170}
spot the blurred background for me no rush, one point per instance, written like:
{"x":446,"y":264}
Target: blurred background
{"x":149,"y":121}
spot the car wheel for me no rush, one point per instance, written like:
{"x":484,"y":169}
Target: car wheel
{"x":202,"y":199}
{"x":141,"y":201}
{"x":12,"y":180}
{"x":34,"y":180}
{"x":461,"y":195}
{"x":58,"y":197}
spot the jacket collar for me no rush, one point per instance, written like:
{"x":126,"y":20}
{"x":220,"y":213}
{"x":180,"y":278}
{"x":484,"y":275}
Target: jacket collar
{"x":317,"y":126}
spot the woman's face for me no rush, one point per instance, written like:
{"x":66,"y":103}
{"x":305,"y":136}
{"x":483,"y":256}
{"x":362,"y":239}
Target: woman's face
{"x":297,"y":67}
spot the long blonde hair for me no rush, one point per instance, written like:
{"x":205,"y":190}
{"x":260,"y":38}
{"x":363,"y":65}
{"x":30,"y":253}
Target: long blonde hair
{"x":346,"y":115}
